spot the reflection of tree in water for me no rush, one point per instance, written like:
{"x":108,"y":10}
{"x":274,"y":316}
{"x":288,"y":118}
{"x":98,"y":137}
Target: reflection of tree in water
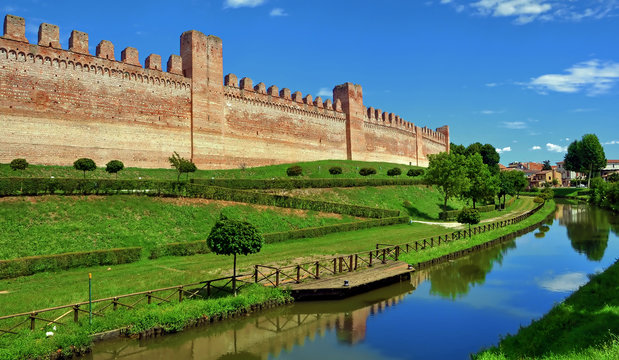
{"x":588,"y":229}
{"x":454,"y":279}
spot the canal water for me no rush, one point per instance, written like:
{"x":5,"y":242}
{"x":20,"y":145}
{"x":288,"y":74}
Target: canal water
{"x":445,"y":312}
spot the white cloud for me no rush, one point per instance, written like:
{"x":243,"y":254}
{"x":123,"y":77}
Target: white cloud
{"x":556,"y":148}
{"x":242,"y":3}
{"x":579,"y":110}
{"x":491,"y":84}
{"x":592,"y":77}
{"x":505,"y":149}
{"x":278,"y":12}
{"x":514,"y":125}
{"x":564,"y":283}
{"x":324,"y":92}
{"x":612,"y":142}
{"x":525,"y":11}
{"x":536,"y":147}
{"x":491,"y":112}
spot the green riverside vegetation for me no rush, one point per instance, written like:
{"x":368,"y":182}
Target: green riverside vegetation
{"x":584,"y":326}
{"x":170,"y":317}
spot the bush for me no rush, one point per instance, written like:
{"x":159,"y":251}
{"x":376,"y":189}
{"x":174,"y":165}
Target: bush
{"x":469,"y":216}
{"x":538,"y":200}
{"x":394,"y":172}
{"x":289,"y":183}
{"x":367,"y":171}
{"x":415,"y":172}
{"x":84,"y":164}
{"x":614,"y":177}
{"x":294,"y":171}
{"x":19,"y":164}
{"x":34,"y":264}
{"x":336,"y":170}
{"x":114,"y":166}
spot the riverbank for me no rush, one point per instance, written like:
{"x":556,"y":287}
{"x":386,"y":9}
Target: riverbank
{"x":584,"y":326}
{"x":72,"y":338}
{"x":419,"y":259}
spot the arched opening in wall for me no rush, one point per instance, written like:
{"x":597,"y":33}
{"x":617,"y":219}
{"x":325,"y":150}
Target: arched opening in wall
{"x":50,"y":44}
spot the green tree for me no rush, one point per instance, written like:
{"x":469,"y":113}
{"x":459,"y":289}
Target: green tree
{"x":469,"y":216}
{"x":182,"y":165}
{"x":506,"y":185}
{"x":84,"y":164}
{"x":232,"y":237}
{"x":614,"y":177}
{"x":114,"y":166}
{"x":457,"y":149}
{"x":547,"y":165}
{"x":520,"y":181}
{"x":482,"y":184}
{"x":585,"y":155}
{"x":448,"y":173}
{"x":19,"y":164}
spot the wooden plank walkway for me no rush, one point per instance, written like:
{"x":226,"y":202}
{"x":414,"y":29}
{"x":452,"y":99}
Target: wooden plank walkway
{"x":332,"y":287}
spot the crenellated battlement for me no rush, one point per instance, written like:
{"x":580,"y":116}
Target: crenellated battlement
{"x":284,"y":97}
{"x":15,"y":30}
{"x":105,"y":105}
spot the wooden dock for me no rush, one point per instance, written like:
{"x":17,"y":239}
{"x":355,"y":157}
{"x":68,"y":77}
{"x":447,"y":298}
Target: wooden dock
{"x":332,"y":287}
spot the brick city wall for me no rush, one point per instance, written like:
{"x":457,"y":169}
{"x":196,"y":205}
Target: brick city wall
{"x":58,"y":105}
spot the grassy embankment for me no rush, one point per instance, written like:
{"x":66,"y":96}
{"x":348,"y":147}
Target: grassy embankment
{"x":314,"y":169}
{"x":584,"y":326}
{"x":424,"y":203}
{"x":170,"y":317}
{"x":435,"y":252}
{"x":57,"y":224}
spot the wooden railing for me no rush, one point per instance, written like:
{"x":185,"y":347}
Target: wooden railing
{"x":59,"y":315}
{"x":277,"y":276}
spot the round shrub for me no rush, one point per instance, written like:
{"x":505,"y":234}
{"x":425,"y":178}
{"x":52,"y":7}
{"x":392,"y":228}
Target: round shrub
{"x":415,"y":172}
{"x":294,"y":171}
{"x":538,"y":200}
{"x":367,"y":171}
{"x":84,"y":164}
{"x":19,"y":164}
{"x":335,"y":170}
{"x":114,"y":166}
{"x":394,"y":172}
{"x":469,"y":216}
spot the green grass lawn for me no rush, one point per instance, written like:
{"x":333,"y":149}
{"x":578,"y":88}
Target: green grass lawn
{"x":426,"y":202}
{"x":57,"y":224}
{"x":64,"y":287}
{"x":584,"y":326}
{"x":314,"y":169}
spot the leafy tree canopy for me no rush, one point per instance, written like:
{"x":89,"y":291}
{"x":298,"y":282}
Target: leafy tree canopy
{"x":19,"y":164}
{"x":448,"y":173}
{"x":114,"y":166}
{"x":547,"y":165}
{"x":181,"y":165}
{"x":84,"y":164}
{"x":469,"y":216}
{"x":483,"y":186}
{"x":585,"y":155}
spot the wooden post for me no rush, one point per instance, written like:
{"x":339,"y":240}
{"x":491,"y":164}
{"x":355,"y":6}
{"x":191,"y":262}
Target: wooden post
{"x":277,"y":277}
{"x":180,"y":294}
{"x":32,"y":320}
{"x":340,"y":260}
{"x":317,"y":270}
{"x":335,"y":265}
{"x":256,"y":274}
{"x":76,"y":313}
{"x":397,"y":253}
{"x":208,"y":289}
{"x":149,"y":297}
{"x":115,"y":302}
{"x":416,"y":245}
{"x":298,"y":274}
{"x":356,"y":261}
{"x":384,"y":256}
{"x":431,"y":242}
{"x":370,"y":259}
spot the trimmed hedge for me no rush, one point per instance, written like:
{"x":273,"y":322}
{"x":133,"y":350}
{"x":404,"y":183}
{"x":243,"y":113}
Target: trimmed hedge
{"x":200,"y":247}
{"x":253,"y":197}
{"x":34,"y":264}
{"x":453,"y":214}
{"x":264,"y":184}
{"x":43,"y":186}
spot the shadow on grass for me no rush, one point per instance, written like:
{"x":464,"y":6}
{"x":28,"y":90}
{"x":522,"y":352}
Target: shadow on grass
{"x":416,"y":213}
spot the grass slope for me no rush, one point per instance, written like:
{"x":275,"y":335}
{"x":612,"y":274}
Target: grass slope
{"x":314,"y":169}
{"x":584,"y":326}
{"x":426,"y":201}
{"x":56,"y":224}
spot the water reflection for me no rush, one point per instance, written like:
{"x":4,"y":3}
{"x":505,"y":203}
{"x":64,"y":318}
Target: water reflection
{"x":454,"y":279}
{"x":259,"y":337}
{"x":588,"y":228}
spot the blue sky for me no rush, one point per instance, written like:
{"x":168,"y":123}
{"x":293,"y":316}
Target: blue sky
{"x":528,"y":76}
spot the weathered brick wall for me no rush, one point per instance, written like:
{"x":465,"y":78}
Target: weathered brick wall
{"x":58,"y":105}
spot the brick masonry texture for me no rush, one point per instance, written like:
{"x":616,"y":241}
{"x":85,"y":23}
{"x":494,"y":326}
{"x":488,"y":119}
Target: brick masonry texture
{"x":59,"y":105}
